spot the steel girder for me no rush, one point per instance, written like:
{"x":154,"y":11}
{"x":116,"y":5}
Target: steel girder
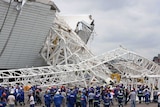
{"x":134,"y":64}
{"x":71,"y":62}
{"x":43,"y":76}
{"x":63,"y":74}
{"x":85,"y":71}
{"x":63,"y":45}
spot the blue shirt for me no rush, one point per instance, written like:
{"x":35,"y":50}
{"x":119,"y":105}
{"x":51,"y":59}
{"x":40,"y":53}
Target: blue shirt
{"x":57,"y":99}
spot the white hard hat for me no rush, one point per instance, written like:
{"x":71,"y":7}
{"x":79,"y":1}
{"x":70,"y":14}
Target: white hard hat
{"x":48,"y":91}
{"x":57,"y":92}
{"x":12,"y":92}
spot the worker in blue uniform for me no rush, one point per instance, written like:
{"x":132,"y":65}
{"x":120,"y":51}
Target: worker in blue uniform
{"x":47,"y":99}
{"x":106,"y":101}
{"x":83,"y":100}
{"x":57,"y":99}
{"x":120,"y":98}
{"x":71,"y":99}
{"x":96,"y":100}
{"x":147,"y":96}
{"x":140,"y":94}
{"x":21,"y":100}
{"x":2,"y":102}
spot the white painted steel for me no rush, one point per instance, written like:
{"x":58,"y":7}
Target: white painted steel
{"x":133,"y":64}
{"x":64,"y":46}
{"x":62,"y":74}
{"x":72,"y":62}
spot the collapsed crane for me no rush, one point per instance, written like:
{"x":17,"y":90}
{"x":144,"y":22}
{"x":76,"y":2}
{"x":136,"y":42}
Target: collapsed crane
{"x":65,"y":53}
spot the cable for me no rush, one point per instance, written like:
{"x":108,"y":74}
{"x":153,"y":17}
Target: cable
{"x":10,"y":34}
{"x":5,"y":16}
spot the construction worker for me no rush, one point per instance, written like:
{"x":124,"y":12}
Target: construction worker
{"x":71,"y":99}
{"x":91,"y":97}
{"x":158,"y":99}
{"x":111,"y":95}
{"x":97,"y":99}
{"x":83,"y":100}
{"x":57,"y":99}
{"x":147,"y":96}
{"x":2,"y":102}
{"x":132,"y":96}
{"x":47,"y":98}
{"x":120,"y":98}
{"x":22,"y":98}
{"x":106,"y":101}
{"x":140,"y":94}
{"x":11,"y":99}
{"x":31,"y":101}
{"x":78,"y":99}
{"x":126,"y":96}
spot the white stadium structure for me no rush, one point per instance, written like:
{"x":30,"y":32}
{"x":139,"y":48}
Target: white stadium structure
{"x":38,"y":47}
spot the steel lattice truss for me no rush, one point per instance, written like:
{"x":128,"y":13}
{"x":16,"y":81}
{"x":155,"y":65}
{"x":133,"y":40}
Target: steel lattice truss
{"x":133,"y":64}
{"x":133,"y":67}
{"x":72,"y":62}
{"x":62,"y":74}
{"x":71,"y":73}
{"x":42,"y":76}
{"x":64,"y":46}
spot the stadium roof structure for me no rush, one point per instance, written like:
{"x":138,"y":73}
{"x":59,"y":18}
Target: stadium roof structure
{"x":23,"y":32}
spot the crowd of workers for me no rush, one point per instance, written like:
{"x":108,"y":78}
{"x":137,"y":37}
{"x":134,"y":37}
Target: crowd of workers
{"x":75,"y":96}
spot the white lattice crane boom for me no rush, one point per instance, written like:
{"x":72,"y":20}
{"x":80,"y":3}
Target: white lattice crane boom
{"x":64,"y":46}
{"x":61,"y":74}
{"x":68,"y":57}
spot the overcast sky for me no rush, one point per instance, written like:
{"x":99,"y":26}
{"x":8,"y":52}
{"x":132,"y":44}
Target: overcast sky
{"x":134,"y":24}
